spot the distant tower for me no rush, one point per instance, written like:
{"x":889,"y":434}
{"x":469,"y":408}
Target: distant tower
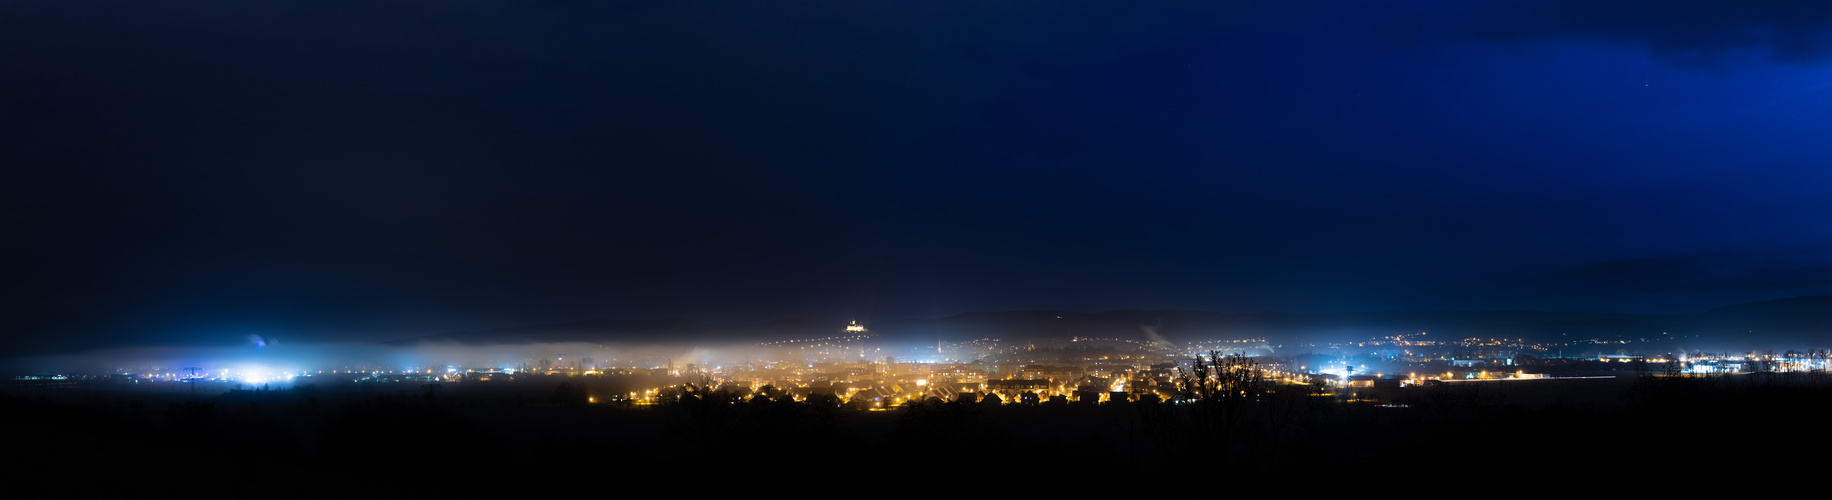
{"x":855,"y":327}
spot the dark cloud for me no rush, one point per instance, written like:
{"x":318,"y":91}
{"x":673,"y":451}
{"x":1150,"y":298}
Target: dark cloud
{"x":1637,"y":275}
{"x":1683,"y":32}
{"x":1718,"y":272}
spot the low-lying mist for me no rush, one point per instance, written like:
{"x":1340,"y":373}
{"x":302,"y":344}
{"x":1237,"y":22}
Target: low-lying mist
{"x":297,"y":357}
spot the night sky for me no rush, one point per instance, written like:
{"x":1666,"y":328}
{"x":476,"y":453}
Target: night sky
{"x":187,"y":172}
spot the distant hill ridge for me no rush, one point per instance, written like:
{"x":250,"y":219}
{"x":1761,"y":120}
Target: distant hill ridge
{"x":1804,"y":322}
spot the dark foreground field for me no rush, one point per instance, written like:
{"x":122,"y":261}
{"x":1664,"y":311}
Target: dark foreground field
{"x":531,"y":434}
